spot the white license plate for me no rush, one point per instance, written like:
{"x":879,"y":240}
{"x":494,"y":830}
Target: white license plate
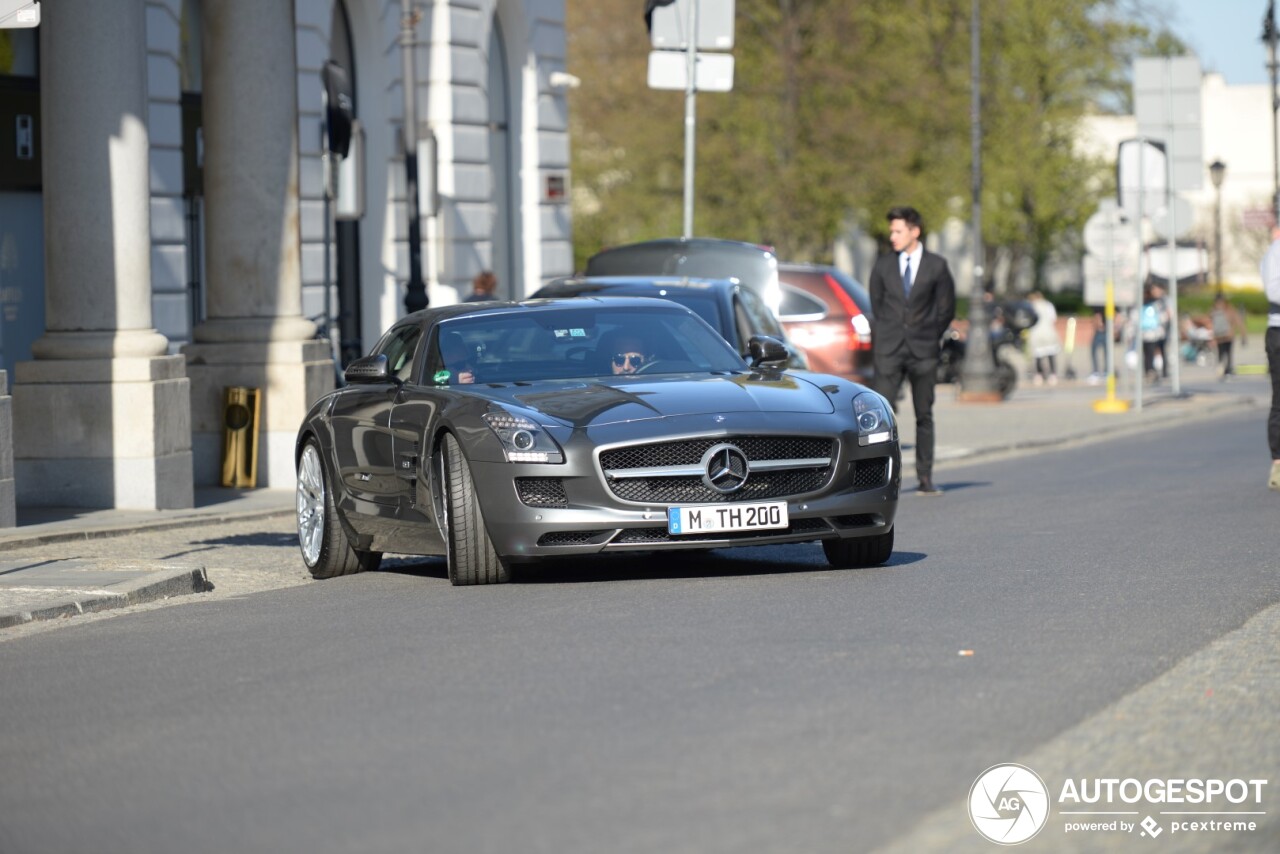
{"x":716,"y":518}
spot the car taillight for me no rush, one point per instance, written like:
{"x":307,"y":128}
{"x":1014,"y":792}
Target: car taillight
{"x":862,"y":330}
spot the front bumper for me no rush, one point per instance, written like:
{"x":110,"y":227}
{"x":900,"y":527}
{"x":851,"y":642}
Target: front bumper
{"x":581,"y":515}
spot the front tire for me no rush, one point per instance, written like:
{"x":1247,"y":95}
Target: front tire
{"x":326,"y":551}
{"x":859,"y":551}
{"x":471,"y":556}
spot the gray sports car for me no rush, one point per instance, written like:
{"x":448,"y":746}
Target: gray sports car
{"x":502,"y":433}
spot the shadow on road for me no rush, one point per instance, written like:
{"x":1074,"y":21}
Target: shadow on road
{"x":653,"y":566}
{"x":259,"y":539}
{"x":957,"y":485}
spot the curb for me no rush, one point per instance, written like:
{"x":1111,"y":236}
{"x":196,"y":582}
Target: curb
{"x":22,"y":542}
{"x":163,"y":584}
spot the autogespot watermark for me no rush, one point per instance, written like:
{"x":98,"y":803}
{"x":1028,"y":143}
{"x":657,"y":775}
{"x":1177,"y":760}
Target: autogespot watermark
{"x":1009,"y":804}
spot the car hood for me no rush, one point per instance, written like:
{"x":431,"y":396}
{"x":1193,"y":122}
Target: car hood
{"x":601,"y":402}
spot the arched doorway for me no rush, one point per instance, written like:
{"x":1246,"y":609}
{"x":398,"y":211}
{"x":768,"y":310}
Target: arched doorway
{"x":505,"y":240}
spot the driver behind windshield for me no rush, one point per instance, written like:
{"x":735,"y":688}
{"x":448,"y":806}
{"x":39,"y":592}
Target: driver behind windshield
{"x":453,"y":351}
{"x":630,"y":354}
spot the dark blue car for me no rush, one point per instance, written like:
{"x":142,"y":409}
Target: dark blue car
{"x":735,"y":311}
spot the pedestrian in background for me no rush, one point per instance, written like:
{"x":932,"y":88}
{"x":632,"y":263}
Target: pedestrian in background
{"x":1098,"y":347}
{"x":1043,"y":339}
{"x":483,"y":287}
{"x":1271,"y":282}
{"x":1153,"y":326}
{"x":1225,"y":324}
{"x":913,"y":298}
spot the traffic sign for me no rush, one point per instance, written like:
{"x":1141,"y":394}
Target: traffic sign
{"x":1124,"y":273}
{"x":1166,"y":104}
{"x":1110,"y":231}
{"x":19,"y":14}
{"x":1114,"y":254}
{"x":669,"y":69}
{"x":1141,"y":170}
{"x":670,"y":25}
{"x":1184,"y":217}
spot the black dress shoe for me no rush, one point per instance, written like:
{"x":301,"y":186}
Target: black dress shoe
{"x":927,"y":488}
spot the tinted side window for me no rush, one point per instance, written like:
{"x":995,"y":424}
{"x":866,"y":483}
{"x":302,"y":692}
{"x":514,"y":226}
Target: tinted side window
{"x":762,"y":320}
{"x":797,"y":303}
{"x":399,"y":346}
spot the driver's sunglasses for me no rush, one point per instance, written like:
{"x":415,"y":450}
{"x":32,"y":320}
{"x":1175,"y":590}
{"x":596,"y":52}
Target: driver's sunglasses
{"x":623,"y":359}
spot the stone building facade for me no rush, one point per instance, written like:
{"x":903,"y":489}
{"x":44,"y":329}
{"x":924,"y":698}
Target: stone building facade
{"x":166,"y":232}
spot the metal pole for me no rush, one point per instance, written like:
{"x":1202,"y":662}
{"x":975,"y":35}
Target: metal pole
{"x":690,"y":116}
{"x":415,"y":297}
{"x":978,"y":380}
{"x":1135,"y":316}
{"x":1171,"y":359}
{"x":1217,"y":239}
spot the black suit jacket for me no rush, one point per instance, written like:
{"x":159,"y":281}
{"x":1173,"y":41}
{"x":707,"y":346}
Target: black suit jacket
{"x":917,"y":322}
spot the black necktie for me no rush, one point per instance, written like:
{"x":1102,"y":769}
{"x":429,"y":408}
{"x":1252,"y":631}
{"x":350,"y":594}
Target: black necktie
{"x":906,"y":277}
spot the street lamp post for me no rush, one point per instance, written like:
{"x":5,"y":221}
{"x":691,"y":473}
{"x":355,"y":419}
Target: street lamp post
{"x":978,"y":373}
{"x":1217,"y":171}
{"x":415,"y":297}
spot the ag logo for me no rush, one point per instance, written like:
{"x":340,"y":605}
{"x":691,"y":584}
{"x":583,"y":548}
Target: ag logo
{"x":1008,"y":804}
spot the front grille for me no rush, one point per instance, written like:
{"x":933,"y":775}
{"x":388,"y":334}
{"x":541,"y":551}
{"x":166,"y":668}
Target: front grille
{"x":542,"y":491}
{"x":641,"y":536}
{"x":570,"y":538}
{"x":690,"y":451}
{"x":870,"y":474}
{"x":689,"y":488}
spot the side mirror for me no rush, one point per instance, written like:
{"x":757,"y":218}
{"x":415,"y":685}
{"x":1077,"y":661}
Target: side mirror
{"x":368,"y":369}
{"x":766,"y":351}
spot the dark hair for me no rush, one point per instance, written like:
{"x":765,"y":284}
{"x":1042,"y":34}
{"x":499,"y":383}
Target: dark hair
{"x":485,"y":282}
{"x":909,"y":215}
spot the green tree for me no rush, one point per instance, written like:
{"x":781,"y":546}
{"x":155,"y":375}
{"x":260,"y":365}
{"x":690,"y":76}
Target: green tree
{"x":842,"y":109}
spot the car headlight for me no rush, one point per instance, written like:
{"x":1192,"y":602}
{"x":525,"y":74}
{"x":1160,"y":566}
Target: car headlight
{"x":875,"y":422}
{"x":523,"y":441}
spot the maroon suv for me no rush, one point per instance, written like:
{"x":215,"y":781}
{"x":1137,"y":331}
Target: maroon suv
{"x":828,"y":315}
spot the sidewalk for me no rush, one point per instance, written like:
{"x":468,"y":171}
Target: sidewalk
{"x":40,"y":578}
{"x":1039,"y":417}
{"x":39,"y":581}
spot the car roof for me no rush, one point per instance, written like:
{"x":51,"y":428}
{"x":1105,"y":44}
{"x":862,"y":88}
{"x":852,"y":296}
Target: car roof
{"x":589,"y":284}
{"x":671,"y":243}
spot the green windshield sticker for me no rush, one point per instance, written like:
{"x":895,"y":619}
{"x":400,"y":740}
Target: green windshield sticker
{"x":442,"y":376}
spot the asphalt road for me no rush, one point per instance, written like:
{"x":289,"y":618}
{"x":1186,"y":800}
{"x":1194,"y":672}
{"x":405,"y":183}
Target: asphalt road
{"x":748,"y":701}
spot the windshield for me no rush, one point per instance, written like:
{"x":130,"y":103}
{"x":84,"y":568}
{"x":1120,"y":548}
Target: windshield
{"x":569,"y":342}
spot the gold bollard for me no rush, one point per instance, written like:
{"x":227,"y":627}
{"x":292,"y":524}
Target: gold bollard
{"x":240,"y":408}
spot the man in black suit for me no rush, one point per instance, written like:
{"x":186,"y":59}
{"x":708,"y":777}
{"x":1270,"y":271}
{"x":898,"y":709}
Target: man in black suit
{"x":913,"y":298}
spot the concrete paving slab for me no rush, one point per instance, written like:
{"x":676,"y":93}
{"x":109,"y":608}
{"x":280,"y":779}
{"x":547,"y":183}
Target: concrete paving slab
{"x":50,"y":589}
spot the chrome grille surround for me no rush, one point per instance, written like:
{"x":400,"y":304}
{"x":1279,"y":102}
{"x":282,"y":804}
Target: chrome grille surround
{"x":674,"y":472}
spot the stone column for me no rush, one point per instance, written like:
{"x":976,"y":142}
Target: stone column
{"x":255,"y":334}
{"x":102,"y":413}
